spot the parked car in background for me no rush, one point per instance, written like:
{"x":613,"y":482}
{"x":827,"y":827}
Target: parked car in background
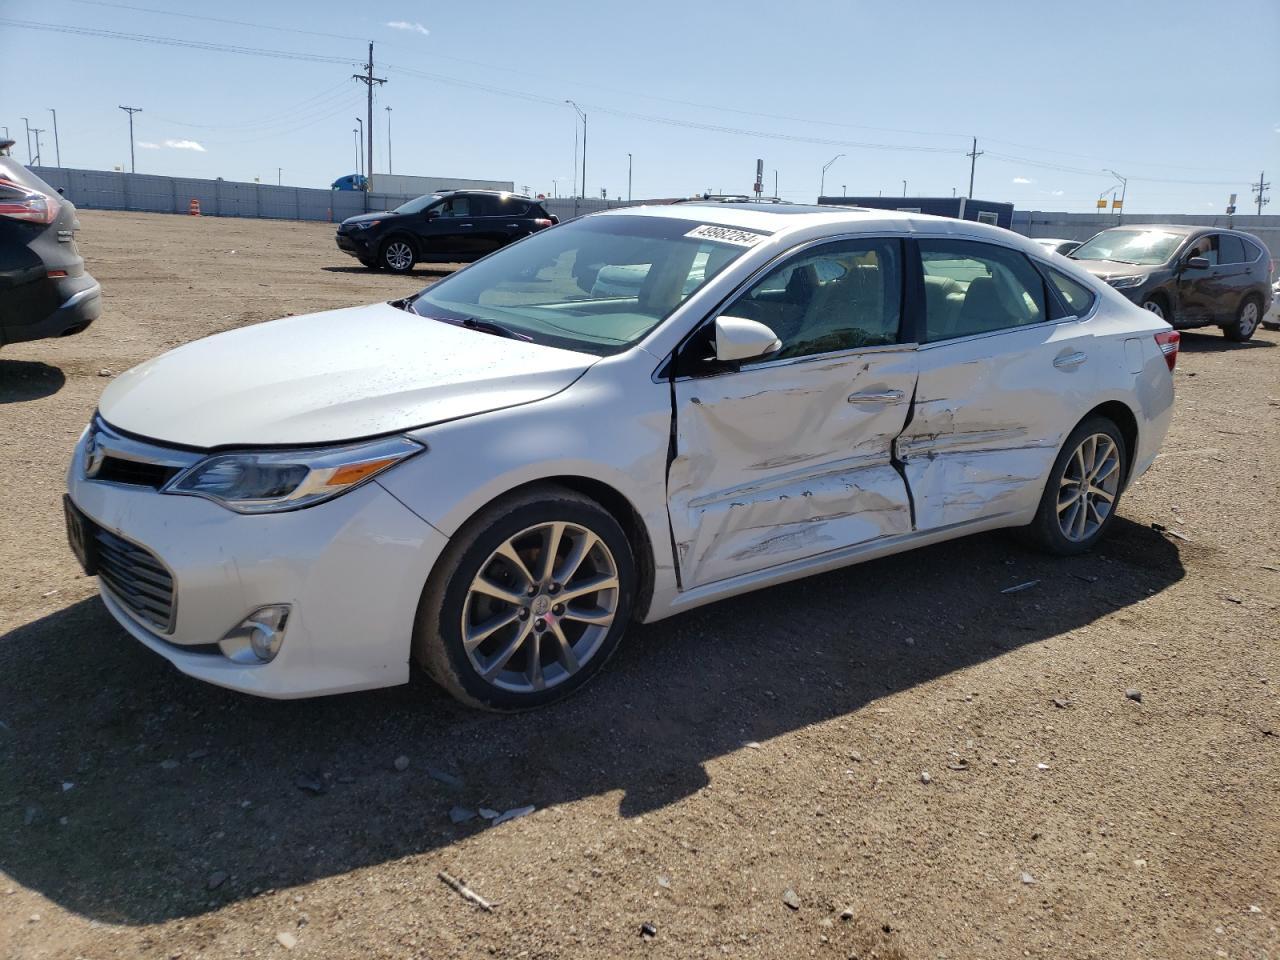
{"x":495,"y":476}
{"x":1063,"y":247}
{"x":1272,"y":319}
{"x":453,"y":226}
{"x":44,"y":289}
{"x":1189,"y":276}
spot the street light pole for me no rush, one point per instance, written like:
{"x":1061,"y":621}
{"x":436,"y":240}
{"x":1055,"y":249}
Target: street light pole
{"x":628,"y":178}
{"x":57,"y":151}
{"x":133,"y":167}
{"x":360,"y":137}
{"x":279,"y":172}
{"x":28,"y":126}
{"x":356,"y":134}
{"x":388,"y":141}
{"x":37,"y":131}
{"x":904,"y":188}
{"x":583,"y":115}
{"x":1124,"y":185}
{"x":822,"y":184}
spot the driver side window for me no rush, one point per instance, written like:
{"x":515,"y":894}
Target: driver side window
{"x":456,"y":207}
{"x":839,"y":296}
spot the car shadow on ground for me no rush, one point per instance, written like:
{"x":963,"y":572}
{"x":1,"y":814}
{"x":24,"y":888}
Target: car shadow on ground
{"x":128,"y":788}
{"x":23,"y":380}
{"x":1196,"y":342}
{"x":425,"y":269}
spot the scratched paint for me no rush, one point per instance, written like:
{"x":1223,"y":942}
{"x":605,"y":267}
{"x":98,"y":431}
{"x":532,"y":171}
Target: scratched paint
{"x":775,"y":463}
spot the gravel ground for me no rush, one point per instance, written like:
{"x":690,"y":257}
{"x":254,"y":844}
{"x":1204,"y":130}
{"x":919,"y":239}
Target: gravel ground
{"x":748,"y":778}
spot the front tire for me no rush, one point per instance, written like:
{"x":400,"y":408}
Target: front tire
{"x":1080,"y":499}
{"x":528,"y":602}
{"x":1246,"y":322}
{"x":1156,"y":304}
{"x":396,"y":255}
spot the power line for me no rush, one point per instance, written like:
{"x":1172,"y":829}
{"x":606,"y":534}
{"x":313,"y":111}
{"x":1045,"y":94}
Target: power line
{"x":290,"y":113}
{"x":237,"y":23}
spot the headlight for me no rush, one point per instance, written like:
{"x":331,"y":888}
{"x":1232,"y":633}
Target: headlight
{"x":1121,"y":282}
{"x":270,"y":481}
{"x":366,"y":224}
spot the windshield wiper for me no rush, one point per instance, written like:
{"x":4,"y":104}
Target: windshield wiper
{"x":484,"y":326}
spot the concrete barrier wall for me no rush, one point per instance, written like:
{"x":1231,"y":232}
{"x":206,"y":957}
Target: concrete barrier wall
{"x":149,"y":193}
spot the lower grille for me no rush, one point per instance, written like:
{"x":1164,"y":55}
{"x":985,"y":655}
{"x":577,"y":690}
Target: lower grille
{"x":136,"y":578}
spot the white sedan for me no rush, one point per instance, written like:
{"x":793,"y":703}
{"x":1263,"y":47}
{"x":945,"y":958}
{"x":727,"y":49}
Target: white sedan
{"x":494,"y":477}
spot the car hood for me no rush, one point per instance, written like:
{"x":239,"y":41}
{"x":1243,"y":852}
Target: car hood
{"x":1105,"y":269}
{"x":330,"y":377}
{"x":367,"y":217}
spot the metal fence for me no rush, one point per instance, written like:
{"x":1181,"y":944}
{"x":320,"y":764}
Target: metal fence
{"x":1082,"y":226}
{"x":112,"y":190}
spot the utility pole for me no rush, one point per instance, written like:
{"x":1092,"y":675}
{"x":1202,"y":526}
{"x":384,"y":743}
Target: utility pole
{"x":904,"y":188}
{"x":628,"y":178}
{"x":37,"y":131}
{"x":57,"y":151}
{"x":279,"y":171}
{"x":28,"y":125}
{"x":368,"y":79}
{"x":775,"y":185}
{"x":1259,"y":190}
{"x":584,"y":145}
{"x":388,"y":141}
{"x":133,"y":167}
{"x":973,"y":162}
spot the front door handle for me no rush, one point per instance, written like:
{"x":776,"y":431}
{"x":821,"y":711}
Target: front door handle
{"x":877,"y":396}
{"x":1069,"y":361}
{"x":466,"y":225}
{"x":513,"y":224}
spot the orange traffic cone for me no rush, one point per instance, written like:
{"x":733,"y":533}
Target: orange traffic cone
{"x":193,"y":208}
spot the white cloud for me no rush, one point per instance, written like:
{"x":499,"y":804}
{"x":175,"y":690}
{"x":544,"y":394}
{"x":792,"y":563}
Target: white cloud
{"x":184,"y":145}
{"x":1057,"y":193}
{"x":148,"y":145}
{"x":1022,"y":180}
{"x":413,"y":27}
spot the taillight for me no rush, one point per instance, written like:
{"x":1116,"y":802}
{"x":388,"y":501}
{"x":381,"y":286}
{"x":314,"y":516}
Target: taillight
{"x":29,"y":205}
{"x":541,"y":222}
{"x":1168,"y":342}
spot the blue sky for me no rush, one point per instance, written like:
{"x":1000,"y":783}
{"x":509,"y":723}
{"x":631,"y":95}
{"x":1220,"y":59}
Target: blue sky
{"x":1183,"y":98}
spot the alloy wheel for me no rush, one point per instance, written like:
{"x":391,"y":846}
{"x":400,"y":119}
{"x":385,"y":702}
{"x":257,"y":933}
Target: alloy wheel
{"x":1248,"y":319}
{"x":398,"y":256}
{"x":1089,"y":487}
{"x":1154,"y":307}
{"x":540,"y":607}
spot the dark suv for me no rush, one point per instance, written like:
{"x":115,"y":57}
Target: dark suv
{"x":44,"y":291}
{"x":453,"y":226}
{"x":1190,"y":276}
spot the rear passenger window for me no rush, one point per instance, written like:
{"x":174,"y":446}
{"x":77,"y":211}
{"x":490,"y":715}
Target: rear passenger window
{"x":973,"y":287}
{"x":839,"y":296}
{"x":1230,"y":249}
{"x":1078,"y":297}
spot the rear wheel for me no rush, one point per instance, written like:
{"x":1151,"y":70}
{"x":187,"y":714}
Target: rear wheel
{"x":1246,"y":321}
{"x":1080,"y":499}
{"x":396,"y":255}
{"x":528,"y":602}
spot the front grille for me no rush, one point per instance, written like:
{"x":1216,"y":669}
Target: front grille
{"x":136,"y":578}
{"x":120,"y":470}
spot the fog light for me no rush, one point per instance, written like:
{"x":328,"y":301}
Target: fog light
{"x":258,"y":637}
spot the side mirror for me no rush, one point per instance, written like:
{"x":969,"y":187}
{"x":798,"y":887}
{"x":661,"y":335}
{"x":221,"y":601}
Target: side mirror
{"x":739,"y":339}
{"x":432,"y":214}
{"x":1197,"y":263}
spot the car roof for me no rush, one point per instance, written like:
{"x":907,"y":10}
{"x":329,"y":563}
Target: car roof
{"x":487,"y":193}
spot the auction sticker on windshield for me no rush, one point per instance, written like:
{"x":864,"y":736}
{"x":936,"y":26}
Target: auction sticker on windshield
{"x":739,"y":238}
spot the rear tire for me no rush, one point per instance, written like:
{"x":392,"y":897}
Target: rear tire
{"x":500,"y":627}
{"x":1246,"y":322}
{"x":1083,"y":491}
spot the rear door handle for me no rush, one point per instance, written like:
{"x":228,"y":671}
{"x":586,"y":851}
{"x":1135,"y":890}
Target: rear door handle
{"x":513,"y":224}
{"x":877,"y":396}
{"x":1069,"y":361}
{"x":466,"y":225}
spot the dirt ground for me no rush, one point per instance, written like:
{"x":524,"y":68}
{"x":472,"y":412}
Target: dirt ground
{"x":764,"y":749}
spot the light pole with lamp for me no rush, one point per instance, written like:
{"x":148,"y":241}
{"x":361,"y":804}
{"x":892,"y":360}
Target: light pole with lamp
{"x":584,"y":144}
{"x":822,"y":184}
{"x":1124,"y":186}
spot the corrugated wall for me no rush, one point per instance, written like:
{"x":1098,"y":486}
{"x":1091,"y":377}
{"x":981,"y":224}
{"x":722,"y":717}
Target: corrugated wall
{"x":110,"y":190}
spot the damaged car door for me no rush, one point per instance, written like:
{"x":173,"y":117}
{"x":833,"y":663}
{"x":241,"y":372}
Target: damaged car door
{"x":789,"y":455}
{"x":1005,"y":374}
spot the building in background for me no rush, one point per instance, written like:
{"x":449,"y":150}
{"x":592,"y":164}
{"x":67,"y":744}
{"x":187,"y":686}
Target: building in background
{"x":959,"y":208}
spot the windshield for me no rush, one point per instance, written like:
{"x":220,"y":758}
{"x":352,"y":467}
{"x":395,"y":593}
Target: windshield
{"x":418,"y":205}
{"x":596,"y":285}
{"x":1147,"y":247}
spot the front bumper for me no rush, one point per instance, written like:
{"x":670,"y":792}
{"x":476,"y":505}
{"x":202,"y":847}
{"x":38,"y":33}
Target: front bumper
{"x":353,"y":244}
{"x":352,"y":570}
